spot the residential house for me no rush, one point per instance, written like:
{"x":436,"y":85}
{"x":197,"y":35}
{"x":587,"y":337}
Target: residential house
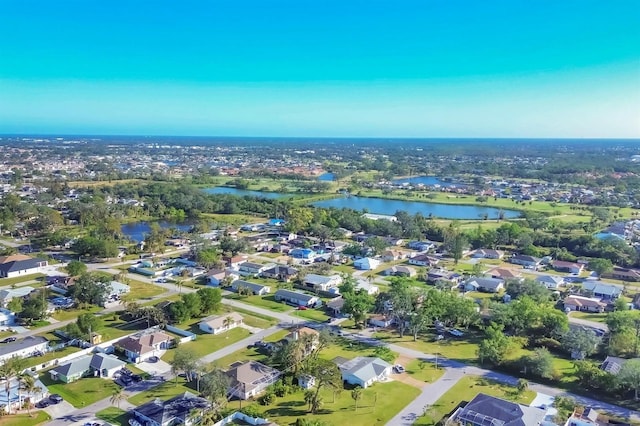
{"x":140,"y":348}
{"x":7,"y":318}
{"x":612,"y":364}
{"x":379,"y":320}
{"x":13,"y":396}
{"x":252,"y":269}
{"x":335,"y":305}
{"x":97,"y":364}
{"x":175,"y":411}
{"x":400,"y":271}
{"x":254,"y":288}
{"x":234,"y":261}
{"x":297,"y":298}
{"x":366,"y":287}
{"x":580,"y":303}
{"x":250,"y":378}
{"x":16,"y":265}
{"x":302,"y":253}
{"x":216,"y":276}
{"x":505,"y":274}
{"x":239,"y":418}
{"x":571,"y":267}
{"x":321,"y":282}
{"x":551,"y":282}
{"x":623,"y":274}
{"x":602,"y":290}
{"x":589,"y":417}
{"x":487,"y":254}
{"x":438,"y":275}
{"x":528,"y":262}
{"x":487,"y":285}
{"x":116,"y":289}
{"x":421,"y":245}
{"x":282,"y":273}
{"x":363,"y":371}
{"x":485,"y":410}
{"x":221,"y":323}
{"x":424,"y":260}
{"x":304,"y":332}
{"x":366,"y":264}
{"x":391,"y":255}
{"x":24,"y":348}
{"x":8,"y":294}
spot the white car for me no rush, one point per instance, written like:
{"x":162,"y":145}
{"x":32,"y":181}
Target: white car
{"x":398,"y":369}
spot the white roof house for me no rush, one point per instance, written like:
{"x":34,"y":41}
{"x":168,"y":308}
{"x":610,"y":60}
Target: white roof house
{"x":366,"y":264}
{"x":363,"y":371}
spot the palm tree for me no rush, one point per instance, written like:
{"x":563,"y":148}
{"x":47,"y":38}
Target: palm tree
{"x":179,"y":283}
{"x":309,"y":397}
{"x":117,"y":396}
{"x":9,"y":370}
{"x":356,"y":395}
{"x":28,"y":384}
{"x":226,"y":323}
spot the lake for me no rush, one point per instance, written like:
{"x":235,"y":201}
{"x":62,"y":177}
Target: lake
{"x":390,"y":207}
{"x":242,"y":192}
{"x":426,"y":180}
{"x":136,"y":231}
{"x":329,"y":177}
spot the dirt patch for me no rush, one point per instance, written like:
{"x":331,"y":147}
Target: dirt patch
{"x":405,"y":377}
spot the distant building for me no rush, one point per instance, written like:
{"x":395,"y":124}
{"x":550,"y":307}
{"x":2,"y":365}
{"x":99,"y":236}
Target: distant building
{"x":254,"y":288}
{"x":296,"y":298}
{"x":587,"y":304}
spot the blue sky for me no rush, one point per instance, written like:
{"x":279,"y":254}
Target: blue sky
{"x":428,"y":68}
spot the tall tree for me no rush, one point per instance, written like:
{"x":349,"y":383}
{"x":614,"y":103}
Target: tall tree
{"x":629,"y":376}
{"x":117,"y":396}
{"x":580,"y":342}
{"x":327,"y":375}
{"x":9,"y":371}
{"x":356,"y":395}
{"x":210,"y":299}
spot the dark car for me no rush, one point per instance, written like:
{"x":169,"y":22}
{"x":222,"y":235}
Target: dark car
{"x":126,"y":380}
{"x":126,"y":372}
{"x":136,"y":377}
{"x":55,"y":398}
{"x":153,"y":359}
{"x":43,"y":403}
{"x":8,"y":340}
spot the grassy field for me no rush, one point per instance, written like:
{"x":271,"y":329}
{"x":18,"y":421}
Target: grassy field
{"x":164,"y":391}
{"x":378,"y":405}
{"x":207,"y":343}
{"x":114,"y":416}
{"x":424,"y":371}
{"x":465,"y":390}
{"x":39,"y":417}
{"x":254,"y":319}
{"x":590,"y":316}
{"x":312,"y":314}
{"x":82,"y":392}
{"x":69,"y":314}
{"x":463,"y":350}
{"x":22,"y":278}
{"x":141,"y":290}
{"x":267,"y":302}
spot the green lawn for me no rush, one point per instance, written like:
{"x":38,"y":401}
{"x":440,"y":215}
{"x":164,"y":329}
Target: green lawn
{"x":463,"y":350}
{"x":141,"y":290}
{"x":267,"y":302}
{"x":465,"y":390}
{"x":20,"y":279}
{"x":39,"y":417}
{"x":378,"y":405}
{"x":425,"y":371}
{"x":114,"y":416}
{"x":312,"y":314}
{"x":164,"y":391}
{"x":208,"y":343}
{"x":69,"y":314}
{"x":589,"y":316}
{"x":82,"y":392}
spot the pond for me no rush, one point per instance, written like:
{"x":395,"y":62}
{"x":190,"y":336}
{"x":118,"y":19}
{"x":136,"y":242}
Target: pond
{"x":136,"y":231}
{"x":328,"y":177}
{"x":242,"y":192}
{"x":427,"y":180}
{"x":390,"y":207}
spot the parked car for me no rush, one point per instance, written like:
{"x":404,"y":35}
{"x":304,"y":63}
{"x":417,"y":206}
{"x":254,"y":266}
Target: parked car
{"x":153,"y":359}
{"x":398,"y":369}
{"x":136,"y":377}
{"x":8,"y":340}
{"x":43,"y":403}
{"x":456,"y":333}
{"x":55,"y":398}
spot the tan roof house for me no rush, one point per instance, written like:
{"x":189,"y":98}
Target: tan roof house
{"x":221,"y":323}
{"x":250,"y":378}
{"x":141,"y":348}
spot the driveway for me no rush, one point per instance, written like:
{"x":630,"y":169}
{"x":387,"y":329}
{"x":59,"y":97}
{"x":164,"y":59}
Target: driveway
{"x":154,"y":368}
{"x":59,"y":410}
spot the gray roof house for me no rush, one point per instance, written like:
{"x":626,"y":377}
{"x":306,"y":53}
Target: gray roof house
{"x":250,"y":378}
{"x":489,"y":285}
{"x":19,"y":264}
{"x":296,"y":298}
{"x":612,"y":364}
{"x":485,"y":410}
{"x":7,"y":294}
{"x":98,"y":364}
{"x":177,"y":410}
{"x":255,"y":288}
{"x":602,"y":290}
{"x":322,"y":282}
{"x":363,"y":371}
{"x":550,"y":281}
{"x":24,"y":347}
